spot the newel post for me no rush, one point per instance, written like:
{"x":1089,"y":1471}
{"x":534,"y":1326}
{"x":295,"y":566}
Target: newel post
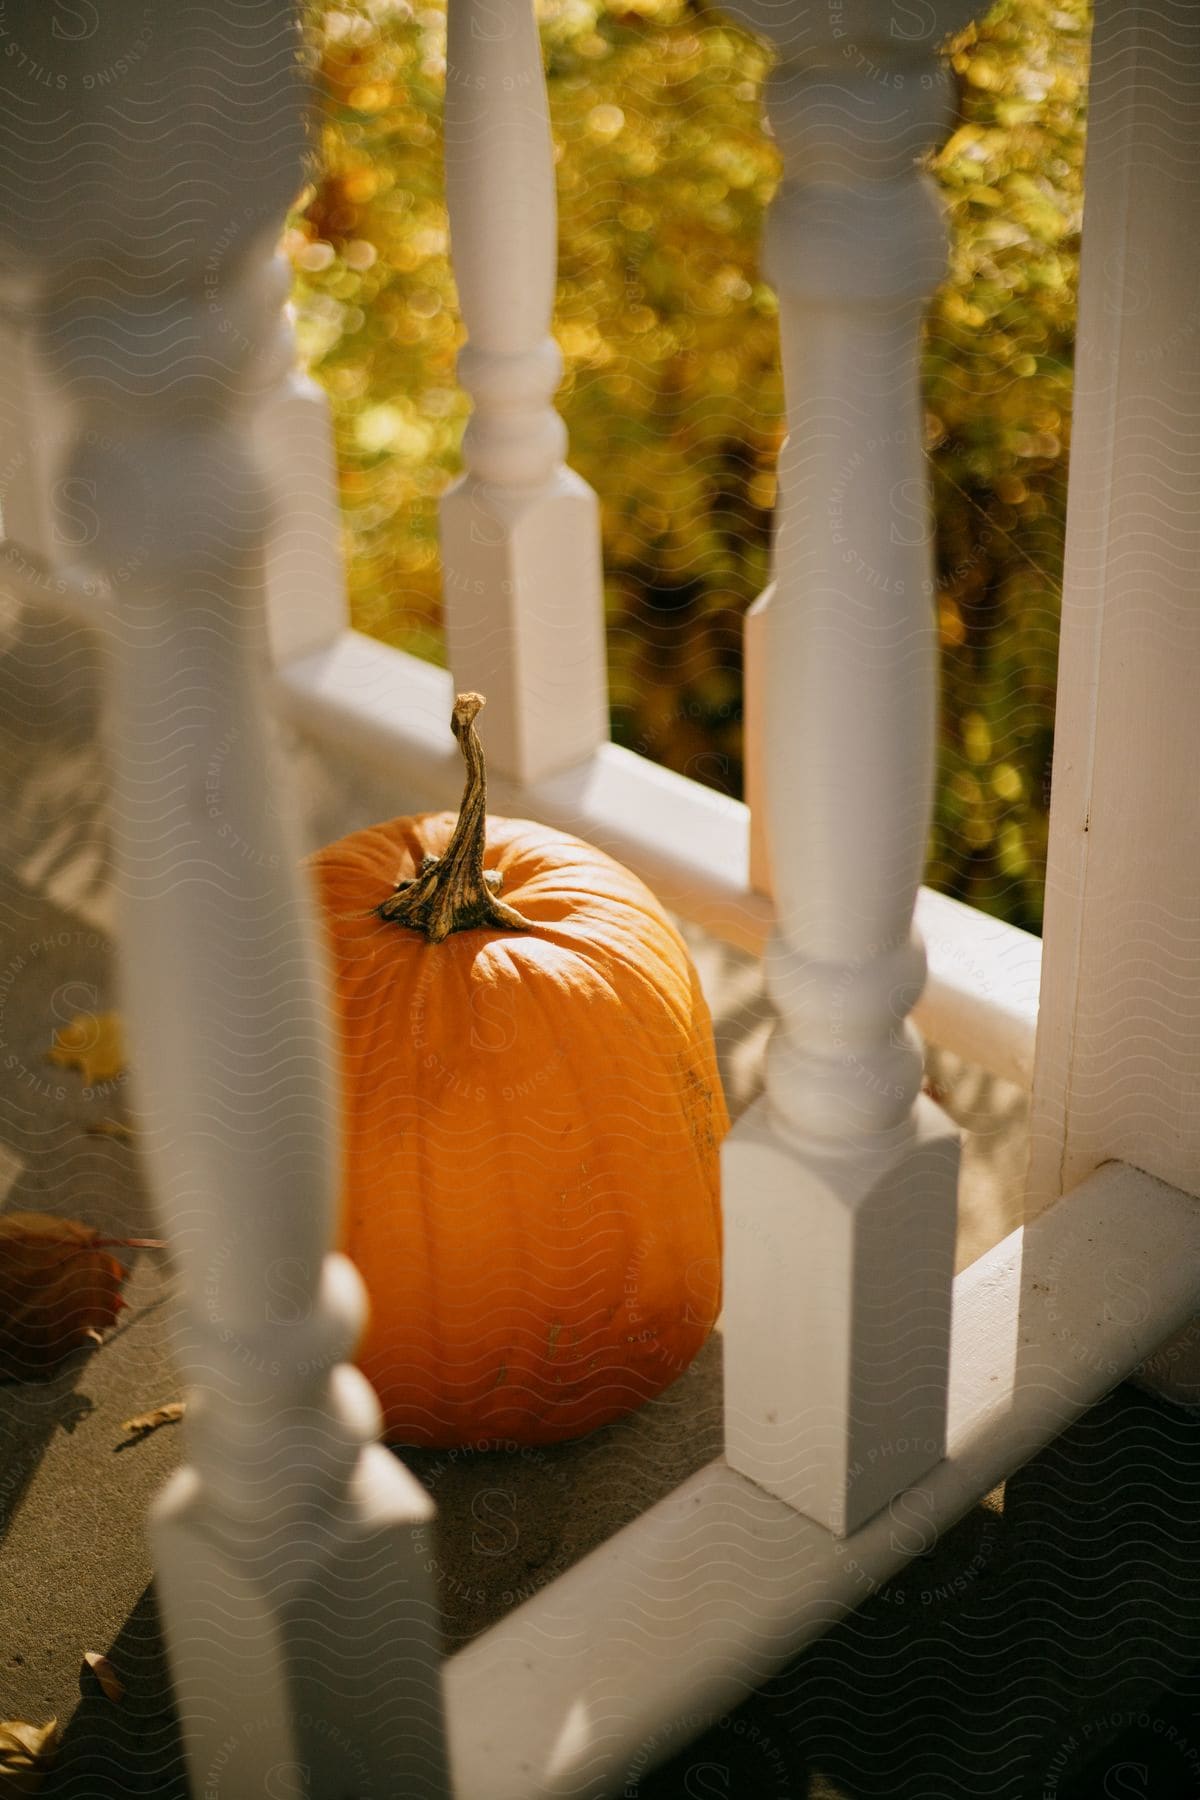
{"x":840,"y":1185}
{"x":522,"y":583}
{"x":301,"y":1630}
{"x":1117,"y":1070}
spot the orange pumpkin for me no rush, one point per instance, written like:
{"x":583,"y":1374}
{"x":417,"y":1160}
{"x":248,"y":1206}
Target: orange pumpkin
{"x":531,"y":1121}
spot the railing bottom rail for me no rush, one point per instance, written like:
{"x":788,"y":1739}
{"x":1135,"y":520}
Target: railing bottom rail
{"x":630,"y":1654}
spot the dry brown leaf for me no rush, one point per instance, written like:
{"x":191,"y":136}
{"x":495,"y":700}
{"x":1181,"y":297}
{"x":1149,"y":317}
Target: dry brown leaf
{"x":150,"y":1421}
{"x":92,"y":1043}
{"x":59,"y":1288}
{"x":26,"y":1752}
{"x":106,"y":1675}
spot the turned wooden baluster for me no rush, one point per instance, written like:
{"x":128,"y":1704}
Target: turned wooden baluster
{"x":301,"y":1629}
{"x":840,"y":1185}
{"x":305,"y":580}
{"x":522,"y":584}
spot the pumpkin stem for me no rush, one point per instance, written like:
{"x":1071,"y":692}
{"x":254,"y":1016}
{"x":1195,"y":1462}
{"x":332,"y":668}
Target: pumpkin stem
{"x":453,"y":892}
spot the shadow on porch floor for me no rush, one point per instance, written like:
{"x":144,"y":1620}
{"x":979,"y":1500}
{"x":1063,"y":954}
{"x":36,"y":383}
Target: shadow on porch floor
{"x":1053,"y":1650}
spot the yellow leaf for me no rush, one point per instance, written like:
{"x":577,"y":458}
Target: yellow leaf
{"x":26,"y":1752}
{"x":106,"y":1675}
{"x":147,"y":1422}
{"x":92,"y":1043}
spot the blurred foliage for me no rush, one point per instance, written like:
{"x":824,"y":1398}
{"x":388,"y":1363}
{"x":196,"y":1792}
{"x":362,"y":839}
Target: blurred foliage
{"x":672,"y":392}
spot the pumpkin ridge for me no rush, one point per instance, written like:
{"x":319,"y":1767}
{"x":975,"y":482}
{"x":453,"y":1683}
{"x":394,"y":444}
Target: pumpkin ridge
{"x":587,"y":1022}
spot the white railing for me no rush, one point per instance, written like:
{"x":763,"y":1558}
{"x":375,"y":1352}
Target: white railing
{"x":156,"y":358}
{"x":522,"y":585}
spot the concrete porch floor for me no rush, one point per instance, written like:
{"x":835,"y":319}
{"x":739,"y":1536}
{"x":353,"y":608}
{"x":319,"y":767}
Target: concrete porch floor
{"x":1049,"y":1645}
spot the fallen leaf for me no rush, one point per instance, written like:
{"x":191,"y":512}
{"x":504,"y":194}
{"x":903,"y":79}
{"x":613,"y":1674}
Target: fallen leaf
{"x":106,"y":1675}
{"x":26,"y":1752}
{"x":92,"y":1043}
{"x":150,"y":1421}
{"x":59,"y":1288}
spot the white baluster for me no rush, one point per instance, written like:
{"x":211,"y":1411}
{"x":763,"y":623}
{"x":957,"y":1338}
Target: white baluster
{"x":306,"y":586}
{"x":39,"y":552}
{"x":523,"y":589}
{"x":24,"y":443}
{"x":755,"y":627}
{"x":840,"y":1185}
{"x":301,"y":1629}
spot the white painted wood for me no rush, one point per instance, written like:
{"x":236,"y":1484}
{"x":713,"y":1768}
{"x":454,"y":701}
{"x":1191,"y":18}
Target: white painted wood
{"x":522,"y":581}
{"x":688,"y":842}
{"x":11,"y":1166}
{"x":754,"y":669}
{"x":840,"y":1340}
{"x":32,"y":577}
{"x":45,"y":526}
{"x":306,"y":586}
{"x":301,"y":1629}
{"x":981,"y":994}
{"x":983,"y":978}
{"x":837,"y":1312}
{"x":673,"y":1621}
{"x":1118,"y":1054}
{"x":30,"y":426}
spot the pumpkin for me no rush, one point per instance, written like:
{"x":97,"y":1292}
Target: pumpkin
{"x":532,"y":1115}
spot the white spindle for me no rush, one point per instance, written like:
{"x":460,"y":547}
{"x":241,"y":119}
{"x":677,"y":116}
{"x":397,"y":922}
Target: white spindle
{"x":754,"y":667}
{"x":840,"y":1184}
{"x":306,"y":586}
{"x":300,"y":1624}
{"x":47,"y":526}
{"x":25,"y":446}
{"x":523,"y":591}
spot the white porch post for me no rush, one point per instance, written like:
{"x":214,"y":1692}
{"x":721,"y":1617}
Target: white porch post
{"x":522,"y":583}
{"x":840,"y":1185}
{"x":301,"y":1630}
{"x":1117,"y":1068}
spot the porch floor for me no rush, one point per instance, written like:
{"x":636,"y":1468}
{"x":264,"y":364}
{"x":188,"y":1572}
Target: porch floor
{"x":1057,"y":1619}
